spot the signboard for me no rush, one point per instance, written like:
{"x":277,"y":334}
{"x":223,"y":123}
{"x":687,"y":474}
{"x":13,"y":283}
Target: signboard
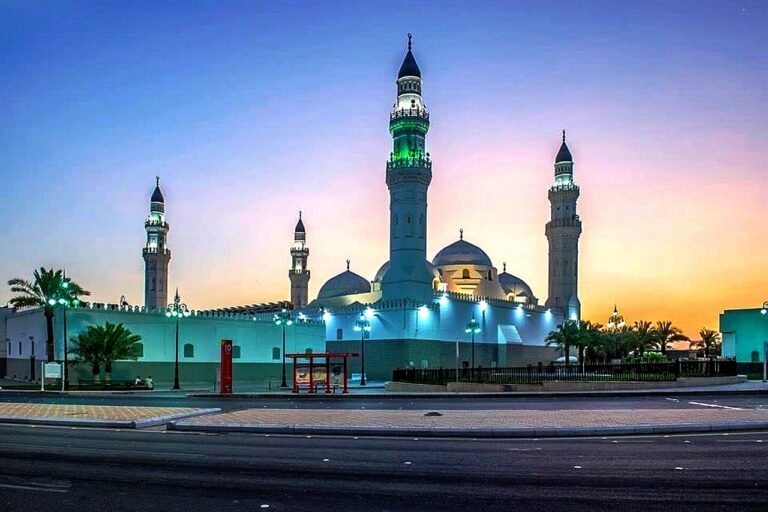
{"x":226,"y":367}
{"x":52,"y":371}
{"x":318,"y":374}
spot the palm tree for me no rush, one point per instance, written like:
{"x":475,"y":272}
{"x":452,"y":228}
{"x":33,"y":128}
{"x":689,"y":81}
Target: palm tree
{"x":47,"y":287}
{"x":567,"y":335}
{"x":710,"y":342}
{"x":593,"y":342}
{"x":646,"y":337}
{"x":668,"y":333}
{"x":119,"y":344}
{"x":103,"y":345}
{"x":88,"y":348}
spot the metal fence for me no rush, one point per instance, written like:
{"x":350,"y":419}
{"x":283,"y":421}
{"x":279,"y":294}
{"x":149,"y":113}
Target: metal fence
{"x":533,"y":374}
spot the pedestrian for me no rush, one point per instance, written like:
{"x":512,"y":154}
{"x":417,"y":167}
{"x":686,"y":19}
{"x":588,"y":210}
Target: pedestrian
{"x":137,"y":381}
{"x":149,"y":383}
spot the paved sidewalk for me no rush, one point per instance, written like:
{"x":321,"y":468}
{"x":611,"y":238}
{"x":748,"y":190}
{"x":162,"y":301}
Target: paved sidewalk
{"x":95,"y":415}
{"x":465,"y":423}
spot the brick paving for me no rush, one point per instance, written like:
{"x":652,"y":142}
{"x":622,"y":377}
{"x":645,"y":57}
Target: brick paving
{"x":460,"y":419}
{"x":88,"y":412}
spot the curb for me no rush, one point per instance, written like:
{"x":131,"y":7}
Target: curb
{"x":154,"y":421}
{"x":622,"y":430}
{"x":501,"y":394}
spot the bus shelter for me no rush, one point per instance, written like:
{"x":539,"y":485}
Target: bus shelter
{"x":328,"y":369}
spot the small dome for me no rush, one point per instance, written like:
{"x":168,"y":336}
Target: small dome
{"x":515,"y":285}
{"x":409,"y":66}
{"x":299,"y":226}
{"x":383,"y":270}
{"x":346,"y":283}
{"x":462,"y":252}
{"x":564,"y":155}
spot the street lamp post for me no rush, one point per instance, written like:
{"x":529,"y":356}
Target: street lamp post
{"x":178,"y":310}
{"x":362,"y":325}
{"x":473,"y":327}
{"x":65,"y":299}
{"x":763,"y":312}
{"x":283,"y":318}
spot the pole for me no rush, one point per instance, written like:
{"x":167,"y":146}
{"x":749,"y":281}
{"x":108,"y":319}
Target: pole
{"x":65,"y":375}
{"x":765,"y":361}
{"x":284,"y":384}
{"x":457,"y":359}
{"x":176,"y":366}
{"x":362,"y":356}
{"x":473,"y":354}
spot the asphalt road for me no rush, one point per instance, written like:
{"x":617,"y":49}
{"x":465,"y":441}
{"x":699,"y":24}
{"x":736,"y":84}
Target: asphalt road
{"x":67,"y":469}
{"x":671,"y":401}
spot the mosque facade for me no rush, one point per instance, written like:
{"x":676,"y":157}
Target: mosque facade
{"x":415,"y":310}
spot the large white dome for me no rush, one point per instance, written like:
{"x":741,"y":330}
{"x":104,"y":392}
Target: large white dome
{"x":462,"y":252}
{"x":346,"y":283}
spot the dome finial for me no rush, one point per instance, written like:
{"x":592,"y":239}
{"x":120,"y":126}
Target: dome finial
{"x":410,"y":44}
{"x":299,"y":214}
{"x":505,"y":266}
{"x":563,"y":135}
{"x":461,"y":234}
{"x":347,"y":264}
{"x":157,"y":181}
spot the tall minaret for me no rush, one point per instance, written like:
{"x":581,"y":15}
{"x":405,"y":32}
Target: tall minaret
{"x":409,"y":172}
{"x":156,"y":253}
{"x":299,"y":275}
{"x":563,"y":233}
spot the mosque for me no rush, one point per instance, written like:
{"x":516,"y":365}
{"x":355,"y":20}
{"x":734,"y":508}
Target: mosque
{"x":455,"y":309}
{"x":416,"y":312}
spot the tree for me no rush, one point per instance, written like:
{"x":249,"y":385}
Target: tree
{"x":592,"y":341}
{"x":88,"y":348}
{"x":667,"y":333}
{"x":709,"y":342}
{"x":119,"y":344}
{"x":646,"y":337}
{"x":567,"y":335}
{"x":103,"y":345}
{"x":47,"y":288}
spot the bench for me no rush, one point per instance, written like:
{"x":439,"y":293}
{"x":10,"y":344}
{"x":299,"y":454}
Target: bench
{"x":130,"y":385}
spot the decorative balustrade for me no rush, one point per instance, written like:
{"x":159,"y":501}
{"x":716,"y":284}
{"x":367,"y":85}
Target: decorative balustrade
{"x":409,"y":112}
{"x":418,"y":162}
{"x":564,"y":187}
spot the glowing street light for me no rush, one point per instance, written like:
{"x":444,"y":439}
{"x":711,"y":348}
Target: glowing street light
{"x":615,"y":321}
{"x":362,"y":325}
{"x":177,"y":310}
{"x":473,"y":327}
{"x":283,"y":318}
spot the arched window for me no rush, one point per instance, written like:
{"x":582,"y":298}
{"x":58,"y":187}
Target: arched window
{"x":140,"y":350}
{"x":465,"y":273}
{"x":189,"y":350}
{"x":490,"y":276}
{"x":235,"y":351}
{"x":339,"y":334}
{"x":755,"y":356}
{"x":275,"y":353}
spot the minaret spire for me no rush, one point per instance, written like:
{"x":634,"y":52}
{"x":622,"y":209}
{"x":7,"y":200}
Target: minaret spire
{"x":156,"y":254}
{"x":299,"y":273}
{"x":563,"y":136}
{"x":347,"y":264}
{"x":410,"y":37}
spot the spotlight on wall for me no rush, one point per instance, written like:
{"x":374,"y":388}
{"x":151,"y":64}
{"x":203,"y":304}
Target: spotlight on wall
{"x":483,"y":305}
{"x":369,"y":313}
{"x":423,"y":312}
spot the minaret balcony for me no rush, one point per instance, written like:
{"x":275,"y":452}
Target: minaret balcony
{"x":407,"y":162}
{"x":564,"y":187}
{"x":156,"y":250}
{"x":155,"y":223}
{"x":420,"y":113}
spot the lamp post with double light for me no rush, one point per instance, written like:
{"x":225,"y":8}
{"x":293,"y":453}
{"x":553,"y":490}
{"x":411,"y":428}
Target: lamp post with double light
{"x":65,"y":299}
{"x":473,"y":327}
{"x":283,"y":319}
{"x":363,"y":326}
{"x":177,"y":310}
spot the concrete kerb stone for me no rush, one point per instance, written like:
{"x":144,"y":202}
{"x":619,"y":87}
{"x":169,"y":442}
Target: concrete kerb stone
{"x":162,"y":420}
{"x":527,"y":432}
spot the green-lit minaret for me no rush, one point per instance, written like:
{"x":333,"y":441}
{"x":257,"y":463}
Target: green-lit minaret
{"x":409,"y":172}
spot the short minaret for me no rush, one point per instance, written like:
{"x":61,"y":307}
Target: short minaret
{"x":409,"y":173}
{"x":299,"y":274}
{"x":563,"y":233}
{"x":156,"y":253}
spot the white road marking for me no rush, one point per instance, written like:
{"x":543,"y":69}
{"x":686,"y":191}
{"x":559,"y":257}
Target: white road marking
{"x":576,"y":467}
{"x":716,"y":406}
{"x":407,"y":463}
{"x":678,"y":468}
{"x":672,"y":399}
{"x":326,"y":460}
{"x":33,"y":488}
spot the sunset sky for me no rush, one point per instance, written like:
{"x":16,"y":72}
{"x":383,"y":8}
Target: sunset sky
{"x":251,"y":111}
